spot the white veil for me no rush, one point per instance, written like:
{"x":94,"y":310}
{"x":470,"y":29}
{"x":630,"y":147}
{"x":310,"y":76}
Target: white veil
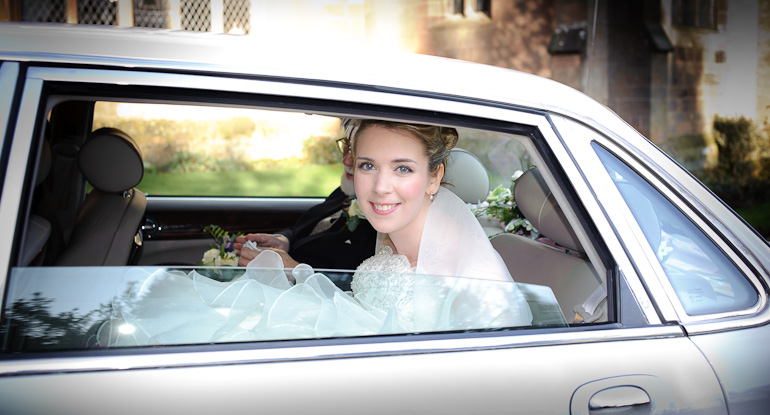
{"x":454,"y":244}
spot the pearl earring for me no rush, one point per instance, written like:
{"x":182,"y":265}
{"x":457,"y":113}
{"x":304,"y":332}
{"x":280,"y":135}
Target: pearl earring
{"x":431,"y":196}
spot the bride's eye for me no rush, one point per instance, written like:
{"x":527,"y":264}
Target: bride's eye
{"x":366,"y":166}
{"x":403,"y":169}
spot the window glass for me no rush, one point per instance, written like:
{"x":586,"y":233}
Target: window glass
{"x":704,"y":279}
{"x":58,"y":308}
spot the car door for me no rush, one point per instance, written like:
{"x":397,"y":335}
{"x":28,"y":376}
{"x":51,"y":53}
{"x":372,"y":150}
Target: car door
{"x":638,"y":358}
{"x":704,"y":258}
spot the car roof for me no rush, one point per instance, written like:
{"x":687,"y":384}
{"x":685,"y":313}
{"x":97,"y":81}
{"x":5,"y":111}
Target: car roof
{"x":222,"y":53}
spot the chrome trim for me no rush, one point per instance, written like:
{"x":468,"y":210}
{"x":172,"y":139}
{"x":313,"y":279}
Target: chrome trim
{"x":344,"y":351}
{"x":730,"y":323}
{"x":17,"y":163}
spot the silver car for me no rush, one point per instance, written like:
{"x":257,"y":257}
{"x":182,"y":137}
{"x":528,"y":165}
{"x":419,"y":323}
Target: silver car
{"x":649,"y":295}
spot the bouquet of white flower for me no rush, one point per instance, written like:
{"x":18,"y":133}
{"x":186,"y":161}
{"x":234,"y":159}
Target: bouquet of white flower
{"x":221,"y":254}
{"x":500,"y":206}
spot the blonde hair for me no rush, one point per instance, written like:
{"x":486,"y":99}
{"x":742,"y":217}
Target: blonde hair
{"x":436,"y":140}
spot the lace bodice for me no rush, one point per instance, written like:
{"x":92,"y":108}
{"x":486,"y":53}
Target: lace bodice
{"x":386,"y":282}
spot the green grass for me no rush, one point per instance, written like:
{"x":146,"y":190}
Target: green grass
{"x":299,"y":180}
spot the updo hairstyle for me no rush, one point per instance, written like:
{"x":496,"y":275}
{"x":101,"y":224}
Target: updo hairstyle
{"x":436,"y":140}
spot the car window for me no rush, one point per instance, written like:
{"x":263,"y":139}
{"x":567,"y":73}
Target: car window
{"x":61,"y":308}
{"x":703,"y":277}
{"x":189,"y":149}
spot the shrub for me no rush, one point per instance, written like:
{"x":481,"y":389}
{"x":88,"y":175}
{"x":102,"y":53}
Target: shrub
{"x":321,"y":150}
{"x":186,"y":162}
{"x":742,"y":173}
{"x":235,"y":127}
{"x":738,"y":143}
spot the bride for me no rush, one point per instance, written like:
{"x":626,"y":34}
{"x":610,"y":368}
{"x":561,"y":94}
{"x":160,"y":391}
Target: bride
{"x":434,"y":269}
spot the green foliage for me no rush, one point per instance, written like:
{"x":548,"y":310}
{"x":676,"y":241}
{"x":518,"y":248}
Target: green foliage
{"x":170,"y":145}
{"x":287,"y":178}
{"x":185,"y":162}
{"x":738,"y":142}
{"x":500,"y":205}
{"x":742,"y":174}
{"x":235,"y":127}
{"x":321,"y":150}
{"x":31,"y":324}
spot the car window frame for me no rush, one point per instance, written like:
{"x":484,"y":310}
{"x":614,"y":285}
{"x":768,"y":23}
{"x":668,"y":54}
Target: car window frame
{"x":531,"y":122}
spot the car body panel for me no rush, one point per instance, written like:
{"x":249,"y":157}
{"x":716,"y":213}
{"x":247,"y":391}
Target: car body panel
{"x":410,"y":380}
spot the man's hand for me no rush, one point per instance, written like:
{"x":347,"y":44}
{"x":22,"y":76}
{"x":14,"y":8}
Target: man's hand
{"x":279,"y":244}
{"x":263,"y":240}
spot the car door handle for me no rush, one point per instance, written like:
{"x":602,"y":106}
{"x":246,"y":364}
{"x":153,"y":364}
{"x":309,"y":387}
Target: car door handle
{"x":618,"y":397}
{"x":627,"y":394}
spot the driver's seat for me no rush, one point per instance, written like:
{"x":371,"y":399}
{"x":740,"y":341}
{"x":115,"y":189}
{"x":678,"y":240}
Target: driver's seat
{"x":106,"y":231}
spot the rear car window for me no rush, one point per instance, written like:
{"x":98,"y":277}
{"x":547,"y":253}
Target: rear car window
{"x":703,"y":277}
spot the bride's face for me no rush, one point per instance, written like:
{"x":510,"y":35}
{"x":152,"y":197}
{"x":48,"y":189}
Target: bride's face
{"x":392,"y":180}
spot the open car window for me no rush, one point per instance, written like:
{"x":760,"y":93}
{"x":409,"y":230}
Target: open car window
{"x":208,"y":164}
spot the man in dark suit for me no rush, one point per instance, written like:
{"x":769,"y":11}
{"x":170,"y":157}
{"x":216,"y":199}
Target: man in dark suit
{"x":321,"y":237}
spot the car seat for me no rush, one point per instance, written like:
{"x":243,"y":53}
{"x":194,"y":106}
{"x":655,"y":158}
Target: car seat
{"x":466,"y":176}
{"x":106,"y":230}
{"x":564,"y":267}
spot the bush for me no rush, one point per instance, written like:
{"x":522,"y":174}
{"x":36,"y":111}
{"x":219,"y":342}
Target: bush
{"x":321,"y":150}
{"x":235,"y":127}
{"x":738,"y":143}
{"x":186,"y":162}
{"x":742,"y":173}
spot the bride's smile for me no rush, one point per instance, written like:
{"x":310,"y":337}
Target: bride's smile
{"x":393,"y":181}
{"x":383,"y":209}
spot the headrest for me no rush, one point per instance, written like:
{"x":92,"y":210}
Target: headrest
{"x":466,"y":176}
{"x":537,"y":204}
{"x":111,"y":161}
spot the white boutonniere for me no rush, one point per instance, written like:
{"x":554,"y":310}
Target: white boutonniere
{"x":353,"y":215}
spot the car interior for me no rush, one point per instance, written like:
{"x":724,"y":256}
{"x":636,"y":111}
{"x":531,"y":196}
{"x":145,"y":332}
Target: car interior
{"x":87,"y":209}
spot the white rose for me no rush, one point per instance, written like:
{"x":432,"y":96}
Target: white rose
{"x":210,"y":257}
{"x":355,"y":209}
{"x":230,"y":259}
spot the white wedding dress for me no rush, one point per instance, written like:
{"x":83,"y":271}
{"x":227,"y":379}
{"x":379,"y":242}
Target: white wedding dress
{"x":468,"y":288}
